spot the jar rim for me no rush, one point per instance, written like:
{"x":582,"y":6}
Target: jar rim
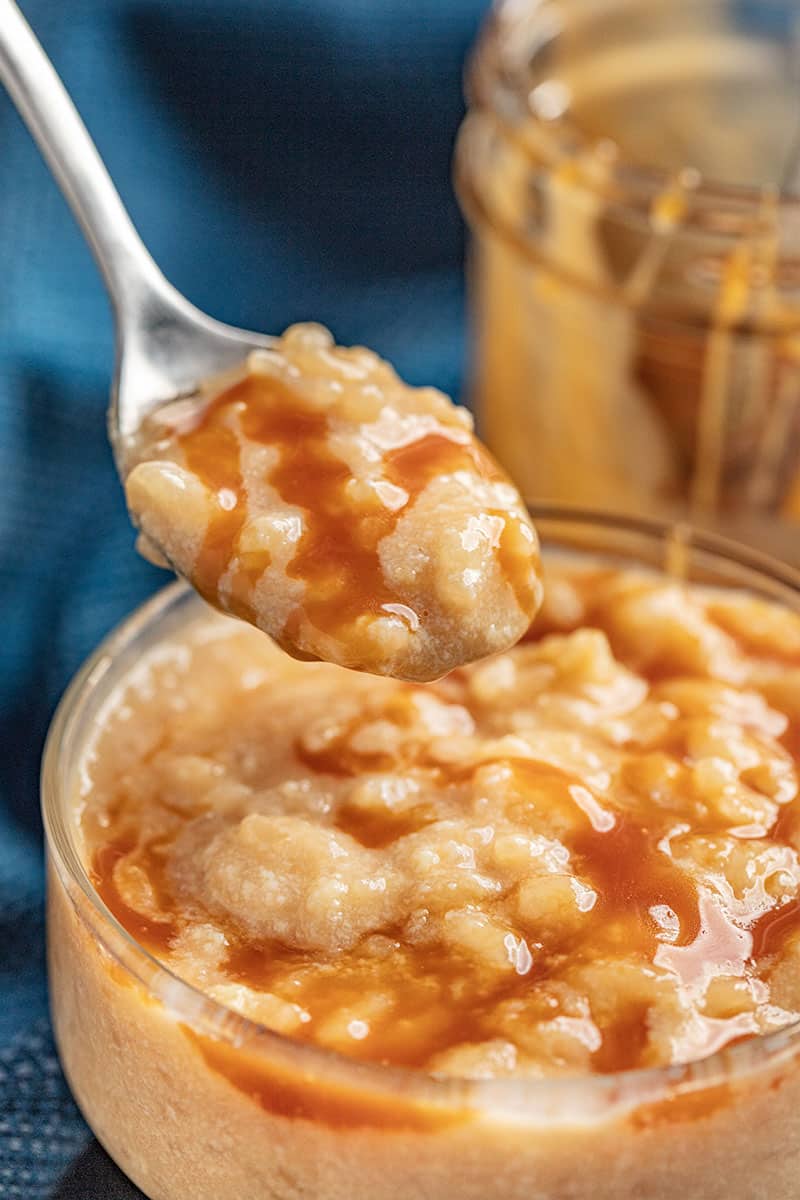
{"x":551,"y":1102}
{"x":490,"y":72}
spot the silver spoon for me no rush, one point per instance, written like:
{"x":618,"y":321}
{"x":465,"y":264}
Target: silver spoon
{"x":165,"y":346}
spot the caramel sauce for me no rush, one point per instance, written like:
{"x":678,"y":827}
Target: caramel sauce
{"x":620,"y":859}
{"x":415,"y":465}
{"x":771,"y":931}
{"x":339,"y":758}
{"x":441,"y":997}
{"x":288,"y":1093}
{"x":624,"y":1044}
{"x":212,"y":453}
{"x":377,"y":830}
{"x":632,"y":876}
{"x":337,"y":558}
{"x":787,"y":827}
{"x":260,"y":964}
{"x":683,"y":1107}
{"x":443,"y":1001}
{"x":155,"y":936}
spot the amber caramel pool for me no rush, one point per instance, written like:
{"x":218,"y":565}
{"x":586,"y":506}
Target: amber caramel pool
{"x":579,"y":856}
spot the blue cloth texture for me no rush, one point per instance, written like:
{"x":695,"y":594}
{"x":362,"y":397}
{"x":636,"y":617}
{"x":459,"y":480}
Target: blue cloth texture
{"x":283,"y":160}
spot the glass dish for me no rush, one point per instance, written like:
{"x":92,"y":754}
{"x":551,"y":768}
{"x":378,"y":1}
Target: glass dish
{"x":194,"y":1100}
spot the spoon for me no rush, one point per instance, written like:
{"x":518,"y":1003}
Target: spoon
{"x":164,"y":345}
{"x":348,"y":516}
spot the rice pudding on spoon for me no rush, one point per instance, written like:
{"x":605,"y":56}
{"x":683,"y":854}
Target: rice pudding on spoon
{"x":300,"y":486}
{"x":351,"y":517}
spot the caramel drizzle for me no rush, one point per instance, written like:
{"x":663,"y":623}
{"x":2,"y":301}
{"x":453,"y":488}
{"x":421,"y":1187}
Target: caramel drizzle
{"x":337,"y":558}
{"x":155,"y":936}
{"x":445,"y":999}
{"x":447,"y":1002}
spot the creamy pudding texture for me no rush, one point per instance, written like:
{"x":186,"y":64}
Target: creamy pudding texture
{"x":578,"y":856}
{"x":352,"y":518}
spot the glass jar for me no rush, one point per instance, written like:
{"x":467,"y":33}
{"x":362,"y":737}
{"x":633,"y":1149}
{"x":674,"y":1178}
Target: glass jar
{"x":628,"y":170}
{"x":194,"y":1100}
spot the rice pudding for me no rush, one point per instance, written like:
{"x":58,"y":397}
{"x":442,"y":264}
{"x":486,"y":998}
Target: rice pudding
{"x":513,"y":934}
{"x":352,"y":518}
{"x":578,"y":856}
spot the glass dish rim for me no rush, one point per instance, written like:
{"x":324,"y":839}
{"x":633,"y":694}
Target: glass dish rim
{"x":554,"y":1101}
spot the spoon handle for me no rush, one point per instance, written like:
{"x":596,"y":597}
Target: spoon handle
{"x":129,"y":272}
{"x":165,"y":345}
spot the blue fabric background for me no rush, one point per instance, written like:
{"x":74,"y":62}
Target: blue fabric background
{"x":283,"y":160}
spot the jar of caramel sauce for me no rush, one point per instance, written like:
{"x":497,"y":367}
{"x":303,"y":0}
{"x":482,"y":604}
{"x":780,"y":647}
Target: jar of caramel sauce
{"x":630,"y":170}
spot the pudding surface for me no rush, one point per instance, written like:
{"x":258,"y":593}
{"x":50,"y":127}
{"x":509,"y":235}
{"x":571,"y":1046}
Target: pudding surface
{"x":578,"y":856}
